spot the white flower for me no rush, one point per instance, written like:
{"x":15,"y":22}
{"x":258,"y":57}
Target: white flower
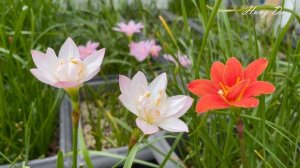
{"x":151,"y":105}
{"x":67,"y":70}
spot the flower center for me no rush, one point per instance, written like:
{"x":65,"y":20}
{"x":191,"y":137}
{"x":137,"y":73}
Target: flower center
{"x":148,"y":106}
{"x":71,"y":70}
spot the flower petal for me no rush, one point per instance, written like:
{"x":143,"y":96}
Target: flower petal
{"x":145,"y":127}
{"x":173,"y":125}
{"x":202,"y":87}
{"x":259,"y":87}
{"x":233,"y":72}
{"x":128,"y":102}
{"x":176,"y":106}
{"x":254,"y":69}
{"x":42,"y":77}
{"x":93,"y":63}
{"x":69,"y":50}
{"x":159,"y":83}
{"x":210,"y":102}
{"x":237,"y":90}
{"x":217,"y":73}
{"x":66,"y":84}
{"x":139,"y":85}
{"x":249,"y":102}
{"x":124,"y":83}
{"x":47,"y":64}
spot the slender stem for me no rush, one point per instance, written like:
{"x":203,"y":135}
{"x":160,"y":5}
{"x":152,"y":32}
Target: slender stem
{"x":240,"y":129}
{"x":133,"y":138}
{"x":75,"y":121}
{"x":73,"y":93}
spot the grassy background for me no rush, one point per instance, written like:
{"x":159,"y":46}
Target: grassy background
{"x":28,"y":108}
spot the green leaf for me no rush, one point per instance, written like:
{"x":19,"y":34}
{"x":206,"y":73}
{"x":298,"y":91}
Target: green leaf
{"x":60,"y":160}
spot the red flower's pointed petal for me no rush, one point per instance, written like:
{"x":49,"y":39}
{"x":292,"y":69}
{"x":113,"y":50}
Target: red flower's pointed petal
{"x":233,"y":72}
{"x":210,"y":102}
{"x":237,"y":90}
{"x":254,"y":69}
{"x":259,"y":87}
{"x":249,"y":102}
{"x":217,"y":73}
{"x":202,"y":87}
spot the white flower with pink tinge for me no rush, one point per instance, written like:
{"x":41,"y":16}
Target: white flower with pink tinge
{"x":183,"y":59}
{"x":130,"y":28}
{"x":67,"y":70}
{"x":151,"y":105}
{"x":90,"y":47}
{"x":142,"y":49}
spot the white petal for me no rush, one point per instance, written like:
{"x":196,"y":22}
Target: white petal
{"x":145,"y":127}
{"x":124,"y":83}
{"x":42,"y":77}
{"x":69,"y":50}
{"x":176,"y":106}
{"x":159,"y":83}
{"x":173,"y":125}
{"x":128,"y":102}
{"x":93,"y":63}
{"x":139,"y":85}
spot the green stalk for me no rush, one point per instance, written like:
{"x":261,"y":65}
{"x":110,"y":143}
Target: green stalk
{"x":73,"y":93}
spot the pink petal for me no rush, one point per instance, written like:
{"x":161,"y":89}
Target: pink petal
{"x":145,"y":127}
{"x":63,"y":84}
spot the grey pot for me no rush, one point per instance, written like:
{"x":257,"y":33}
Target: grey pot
{"x":161,"y":148}
{"x":66,"y":133}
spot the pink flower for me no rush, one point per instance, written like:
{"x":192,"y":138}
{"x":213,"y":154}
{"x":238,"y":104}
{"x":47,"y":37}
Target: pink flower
{"x":183,"y":59}
{"x":68,"y":69}
{"x":142,"y":49}
{"x":151,"y":104}
{"x":90,"y":47}
{"x":130,"y":28}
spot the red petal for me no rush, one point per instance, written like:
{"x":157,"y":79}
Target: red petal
{"x":211,"y":102}
{"x":217,"y":73}
{"x":254,"y":69}
{"x":233,"y":71}
{"x":202,"y":87}
{"x":237,"y":90}
{"x":249,"y":102}
{"x":259,"y":87}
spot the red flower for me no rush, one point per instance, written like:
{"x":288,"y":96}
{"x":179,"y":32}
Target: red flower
{"x":231,"y":85}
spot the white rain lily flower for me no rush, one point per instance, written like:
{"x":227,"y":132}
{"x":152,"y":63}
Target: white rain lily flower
{"x":151,"y":105}
{"x":67,"y":70}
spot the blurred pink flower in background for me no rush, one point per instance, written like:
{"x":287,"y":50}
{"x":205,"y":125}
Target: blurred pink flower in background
{"x":142,"y":49}
{"x":90,"y":47}
{"x":183,"y":59}
{"x":67,"y":70}
{"x":151,"y":104}
{"x":155,"y":49}
{"x":130,"y":28}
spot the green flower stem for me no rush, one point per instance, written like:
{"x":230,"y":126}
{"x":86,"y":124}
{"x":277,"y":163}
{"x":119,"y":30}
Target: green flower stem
{"x":133,"y":138}
{"x":73,"y":93}
{"x":240,"y":131}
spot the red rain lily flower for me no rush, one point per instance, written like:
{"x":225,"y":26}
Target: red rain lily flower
{"x":231,"y":85}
